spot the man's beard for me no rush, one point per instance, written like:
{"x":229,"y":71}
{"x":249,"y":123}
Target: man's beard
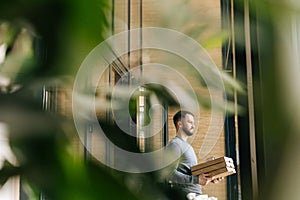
{"x":187,"y":132}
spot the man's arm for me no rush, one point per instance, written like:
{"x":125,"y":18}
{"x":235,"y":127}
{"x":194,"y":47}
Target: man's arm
{"x":178,"y":172}
{"x":178,"y":176}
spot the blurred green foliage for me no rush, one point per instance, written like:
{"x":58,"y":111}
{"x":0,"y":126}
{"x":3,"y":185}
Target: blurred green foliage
{"x":50,"y":38}
{"x":61,"y":33}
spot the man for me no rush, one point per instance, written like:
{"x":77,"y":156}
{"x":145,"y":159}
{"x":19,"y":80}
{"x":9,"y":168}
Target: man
{"x":180,"y":176}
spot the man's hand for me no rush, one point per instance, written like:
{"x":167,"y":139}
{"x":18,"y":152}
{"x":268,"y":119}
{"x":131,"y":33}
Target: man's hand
{"x":217,"y":180}
{"x":204,"y":179}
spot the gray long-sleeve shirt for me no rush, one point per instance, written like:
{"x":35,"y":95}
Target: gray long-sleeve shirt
{"x":180,"y":175}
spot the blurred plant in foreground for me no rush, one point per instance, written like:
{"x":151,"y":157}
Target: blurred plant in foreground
{"x":39,"y":41}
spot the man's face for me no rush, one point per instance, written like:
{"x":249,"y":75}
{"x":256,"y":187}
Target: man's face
{"x":188,"y":124}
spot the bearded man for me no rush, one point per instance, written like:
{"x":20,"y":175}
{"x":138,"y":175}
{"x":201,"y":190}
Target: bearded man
{"x":180,"y":176}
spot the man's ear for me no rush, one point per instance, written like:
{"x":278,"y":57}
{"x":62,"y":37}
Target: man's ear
{"x":179,"y":124}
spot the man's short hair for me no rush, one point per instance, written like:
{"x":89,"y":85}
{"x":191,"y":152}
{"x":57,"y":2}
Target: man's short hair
{"x":180,"y":114}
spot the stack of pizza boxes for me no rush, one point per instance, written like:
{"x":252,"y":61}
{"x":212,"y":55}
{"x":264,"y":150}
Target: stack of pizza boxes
{"x":219,"y":167}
